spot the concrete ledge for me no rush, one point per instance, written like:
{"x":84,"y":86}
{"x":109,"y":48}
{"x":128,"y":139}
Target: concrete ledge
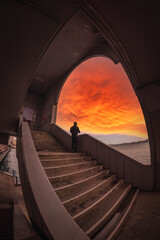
{"x":133,"y":172}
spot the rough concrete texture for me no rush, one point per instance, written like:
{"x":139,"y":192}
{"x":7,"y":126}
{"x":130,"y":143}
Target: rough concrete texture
{"x":144,"y":220}
{"x":45,"y":142}
{"x":7,"y":188}
{"x":6,"y":207}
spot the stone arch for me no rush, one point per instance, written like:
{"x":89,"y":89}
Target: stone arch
{"x":59,"y":89}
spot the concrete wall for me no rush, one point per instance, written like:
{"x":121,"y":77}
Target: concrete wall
{"x":4,"y":138}
{"x":150,"y":95}
{"x":26,"y":33}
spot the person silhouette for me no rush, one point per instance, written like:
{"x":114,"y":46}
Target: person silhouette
{"x":74,"y":130}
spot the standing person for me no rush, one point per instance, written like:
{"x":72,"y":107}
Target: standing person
{"x":74,"y":130}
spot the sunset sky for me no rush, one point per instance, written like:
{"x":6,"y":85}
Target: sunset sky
{"x":99,"y":96}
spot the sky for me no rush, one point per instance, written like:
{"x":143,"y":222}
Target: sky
{"x":100,"y":98}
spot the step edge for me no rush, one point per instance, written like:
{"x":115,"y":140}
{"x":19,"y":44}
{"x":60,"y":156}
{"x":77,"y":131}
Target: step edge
{"x":123,"y":219}
{"x":64,"y":159}
{"x":71,"y":165}
{"x":90,"y":190}
{"x":51,"y":153}
{"x":70,"y":174}
{"x":89,"y":231}
{"x":79,"y":182}
{"x":98,"y":201}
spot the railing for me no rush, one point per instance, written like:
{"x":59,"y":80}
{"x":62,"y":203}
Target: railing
{"x":131,"y":171}
{"x":4,"y":153}
{"x":45,"y":210}
{"x":13,"y":173}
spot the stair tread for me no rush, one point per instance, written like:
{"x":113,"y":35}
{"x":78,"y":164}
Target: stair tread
{"x":45,"y":142}
{"x":88,"y":187}
{"x":118,"y":220}
{"x":47,"y":153}
{"x":91,"y":195}
{"x":100,"y":215}
{"x":82,"y":180}
{"x":95,"y":200}
{"x":58,"y":186}
{"x":6,"y":221}
{"x":70,"y":165}
{"x":70,"y":174}
{"x":73,"y":168}
{"x":63,"y":159}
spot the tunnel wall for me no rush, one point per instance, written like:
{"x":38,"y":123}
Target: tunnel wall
{"x":4,"y":138}
{"x":151,"y":98}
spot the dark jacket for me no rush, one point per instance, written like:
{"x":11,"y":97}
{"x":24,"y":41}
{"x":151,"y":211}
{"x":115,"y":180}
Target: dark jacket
{"x":74,"y":131}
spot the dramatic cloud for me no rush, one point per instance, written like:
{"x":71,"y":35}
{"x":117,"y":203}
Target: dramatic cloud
{"x":99,"y":96}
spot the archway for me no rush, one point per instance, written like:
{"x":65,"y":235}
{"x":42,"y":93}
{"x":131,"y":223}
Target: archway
{"x":99,"y":95}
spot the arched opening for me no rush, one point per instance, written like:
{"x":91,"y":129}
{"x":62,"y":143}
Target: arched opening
{"x":99,"y":96}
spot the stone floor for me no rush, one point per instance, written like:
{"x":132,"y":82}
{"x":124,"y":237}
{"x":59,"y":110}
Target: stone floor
{"x":143,"y":222}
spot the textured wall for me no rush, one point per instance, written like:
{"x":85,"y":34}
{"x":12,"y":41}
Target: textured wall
{"x":34,"y":102}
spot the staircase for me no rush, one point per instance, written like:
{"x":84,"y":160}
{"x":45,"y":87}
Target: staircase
{"x":6,"y":221}
{"x":97,"y":201}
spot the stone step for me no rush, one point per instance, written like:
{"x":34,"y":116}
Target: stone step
{"x":50,"y":148}
{"x":6,"y":221}
{"x":95,"y":199}
{"x":64,"y":169}
{"x":56,"y":155}
{"x":78,"y":201}
{"x":96,"y":216}
{"x":113,"y":227}
{"x":66,"y":192}
{"x":58,"y":162}
{"x":59,"y":181}
{"x":45,"y":142}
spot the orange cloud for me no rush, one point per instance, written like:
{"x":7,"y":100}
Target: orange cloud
{"x":99,"y":96}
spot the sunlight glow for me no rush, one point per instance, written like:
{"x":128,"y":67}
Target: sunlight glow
{"x":99,"y":96}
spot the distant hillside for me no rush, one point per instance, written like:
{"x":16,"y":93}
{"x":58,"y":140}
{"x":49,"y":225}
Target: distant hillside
{"x":116,"y":139}
{"x":129,"y":143}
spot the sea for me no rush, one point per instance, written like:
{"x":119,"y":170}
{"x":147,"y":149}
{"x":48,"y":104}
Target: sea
{"x":139,"y":151}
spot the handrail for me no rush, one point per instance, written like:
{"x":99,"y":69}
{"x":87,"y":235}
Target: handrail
{"x":45,"y":210}
{"x":130,"y":170}
{"x":4,"y":153}
{"x":13,"y":173}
